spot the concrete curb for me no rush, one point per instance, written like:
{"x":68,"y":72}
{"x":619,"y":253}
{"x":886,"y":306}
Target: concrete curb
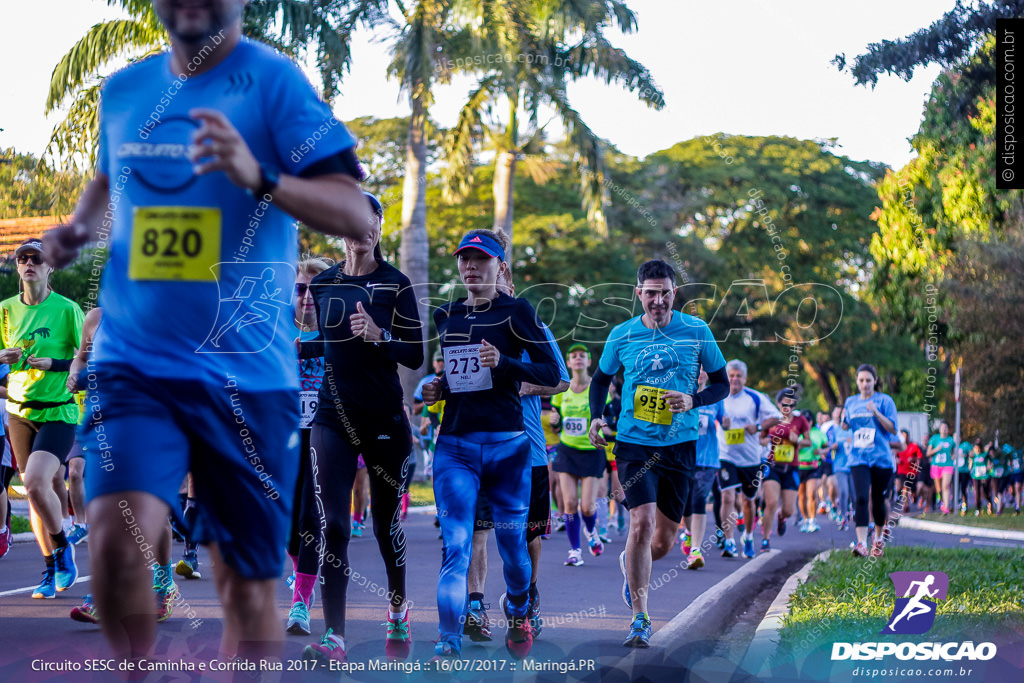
{"x":698,"y":609}
{"x":960,"y":529}
{"x":24,"y":537}
{"x":766,"y":638}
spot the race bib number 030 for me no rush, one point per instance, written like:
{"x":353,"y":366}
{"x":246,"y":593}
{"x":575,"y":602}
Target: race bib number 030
{"x":575,"y":426}
{"x":649,"y":405}
{"x":463,"y":370}
{"x":734,"y":437}
{"x":864,"y":438}
{"x":309,"y":402}
{"x":175,"y":243}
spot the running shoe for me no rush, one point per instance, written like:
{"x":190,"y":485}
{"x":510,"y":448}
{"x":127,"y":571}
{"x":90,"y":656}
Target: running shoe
{"x":86,"y":612}
{"x":331,"y":648}
{"x":944,"y":509}
{"x":443,"y":650}
{"x":625,"y":581}
{"x":812,"y":526}
{"x":780,"y":525}
{"x":357,"y":529}
{"x":298,"y":619}
{"x":575,"y":558}
{"x":67,"y":571}
{"x":639,"y":632}
{"x":765,"y":545}
{"x":695,"y":559}
{"x":189,"y":566}
{"x":165,"y":598}
{"x":878,"y":548}
{"x":686,"y":544}
{"x":290,"y":581}
{"x":560,"y":527}
{"x":533,"y":612}
{"x":748,"y":548}
{"x":596,"y":547}
{"x":519,"y":636}
{"x":77,"y":534}
{"x":730,"y":549}
{"x":603,"y":535}
{"x":802,"y":526}
{"x":399,"y":641}
{"x":719,"y":539}
{"x":6,"y":538}
{"x":478,"y":624}
{"x":860,"y":550}
{"x":48,"y":588}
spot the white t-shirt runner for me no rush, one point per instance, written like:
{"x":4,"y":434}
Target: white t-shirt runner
{"x":735,"y":444}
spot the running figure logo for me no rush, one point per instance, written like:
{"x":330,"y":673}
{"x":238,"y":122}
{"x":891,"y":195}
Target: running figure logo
{"x":914,"y":613}
{"x":250,"y":307}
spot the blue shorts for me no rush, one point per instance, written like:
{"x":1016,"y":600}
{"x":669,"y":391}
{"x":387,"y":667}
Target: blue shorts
{"x":242,"y":447}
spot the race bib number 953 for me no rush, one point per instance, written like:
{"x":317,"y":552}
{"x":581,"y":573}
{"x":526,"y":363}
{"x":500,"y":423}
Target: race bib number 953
{"x":649,"y":405}
{"x":175,"y":243}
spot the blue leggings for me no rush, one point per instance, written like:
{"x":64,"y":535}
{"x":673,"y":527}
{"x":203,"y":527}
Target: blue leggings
{"x":498,"y":464}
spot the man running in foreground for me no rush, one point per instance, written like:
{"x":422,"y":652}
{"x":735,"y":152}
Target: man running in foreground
{"x":198,"y":199}
{"x":662,"y":353}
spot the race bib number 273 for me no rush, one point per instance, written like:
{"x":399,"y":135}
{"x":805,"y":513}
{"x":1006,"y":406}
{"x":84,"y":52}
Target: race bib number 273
{"x":463,"y":370}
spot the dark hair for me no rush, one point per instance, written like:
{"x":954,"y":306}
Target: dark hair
{"x":655,"y":269}
{"x":792,"y":392}
{"x":499,"y":236}
{"x":869,"y":369}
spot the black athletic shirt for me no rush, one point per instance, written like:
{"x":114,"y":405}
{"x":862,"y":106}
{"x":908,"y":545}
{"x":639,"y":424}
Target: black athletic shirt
{"x":359,"y":375}
{"x":510,"y":325}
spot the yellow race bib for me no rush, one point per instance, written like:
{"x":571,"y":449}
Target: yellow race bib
{"x":649,"y":405}
{"x":175,"y":243}
{"x":784,"y":453}
{"x":734,"y":437}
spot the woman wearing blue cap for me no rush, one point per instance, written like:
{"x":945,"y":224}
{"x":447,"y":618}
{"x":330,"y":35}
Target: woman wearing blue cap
{"x":369,"y":324}
{"x":482,"y":444}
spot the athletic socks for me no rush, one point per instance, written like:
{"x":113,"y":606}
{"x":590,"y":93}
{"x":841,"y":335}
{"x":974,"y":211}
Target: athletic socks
{"x":601,"y":508}
{"x":295,"y":562}
{"x":589,"y":521}
{"x":60,"y":540}
{"x":572,"y":530}
{"x":397,"y":616}
{"x":161,"y":576}
{"x":533,"y":591}
{"x":51,"y":561}
{"x":304,"y":584}
{"x":476,"y":596}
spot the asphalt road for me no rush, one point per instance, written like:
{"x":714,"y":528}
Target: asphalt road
{"x":585,"y":619}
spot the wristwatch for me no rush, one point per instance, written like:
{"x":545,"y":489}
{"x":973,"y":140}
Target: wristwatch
{"x":385,"y":337}
{"x":269,"y":180}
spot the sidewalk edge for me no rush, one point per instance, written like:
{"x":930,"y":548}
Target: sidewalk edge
{"x":960,"y":529}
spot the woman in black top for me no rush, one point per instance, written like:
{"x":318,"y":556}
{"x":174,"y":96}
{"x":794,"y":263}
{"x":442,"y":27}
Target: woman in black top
{"x":368,"y":321}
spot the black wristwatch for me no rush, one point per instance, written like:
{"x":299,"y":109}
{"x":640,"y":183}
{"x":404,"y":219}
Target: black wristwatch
{"x":269,"y":180}
{"x":385,"y":337}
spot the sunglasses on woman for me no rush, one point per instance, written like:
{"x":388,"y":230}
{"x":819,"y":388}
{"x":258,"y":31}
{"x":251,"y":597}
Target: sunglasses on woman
{"x":36,"y":259}
{"x":301,"y":288}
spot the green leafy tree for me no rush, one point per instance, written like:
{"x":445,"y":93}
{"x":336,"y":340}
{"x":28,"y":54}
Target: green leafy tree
{"x":30,"y":187}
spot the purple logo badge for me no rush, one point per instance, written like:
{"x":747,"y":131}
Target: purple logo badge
{"x":916,"y":593}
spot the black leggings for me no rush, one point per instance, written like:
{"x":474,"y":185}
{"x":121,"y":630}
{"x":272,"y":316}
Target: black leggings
{"x":305,"y":518}
{"x":875,"y":480}
{"x":385,"y":449}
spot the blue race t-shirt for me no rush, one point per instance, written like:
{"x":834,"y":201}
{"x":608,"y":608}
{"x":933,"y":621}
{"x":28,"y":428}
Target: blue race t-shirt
{"x":666,"y":359}
{"x":200,"y":275}
{"x":707,"y":436}
{"x":532,"y":408}
{"x":870,"y":440}
{"x":841,"y":458}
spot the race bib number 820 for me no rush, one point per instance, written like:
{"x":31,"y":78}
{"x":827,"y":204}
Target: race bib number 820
{"x":175,"y":243}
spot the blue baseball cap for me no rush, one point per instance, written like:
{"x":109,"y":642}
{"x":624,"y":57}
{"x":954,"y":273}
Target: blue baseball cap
{"x":374,"y":204}
{"x":484,"y":243}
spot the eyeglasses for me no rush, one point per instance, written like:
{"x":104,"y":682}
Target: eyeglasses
{"x":787,"y":405}
{"x":36,"y":259}
{"x":301,"y":288}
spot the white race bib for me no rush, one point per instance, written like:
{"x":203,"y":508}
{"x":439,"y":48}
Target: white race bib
{"x":309,"y":401}
{"x":463,"y":370}
{"x":575,"y":426}
{"x":702,"y":428}
{"x":864,"y":438}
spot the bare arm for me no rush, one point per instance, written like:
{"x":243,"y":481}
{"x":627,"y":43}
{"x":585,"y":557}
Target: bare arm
{"x":527,"y":389}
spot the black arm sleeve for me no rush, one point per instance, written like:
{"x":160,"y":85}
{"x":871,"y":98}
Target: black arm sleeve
{"x":542,"y":369}
{"x":717,"y":389}
{"x":406,"y":346}
{"x":313,"y":348}
{"x":599,"y":384}
{"x":60,"y":365}
{"x":344,"y":161}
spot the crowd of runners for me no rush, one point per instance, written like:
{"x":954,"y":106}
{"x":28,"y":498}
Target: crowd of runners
{"x":235,"y":427}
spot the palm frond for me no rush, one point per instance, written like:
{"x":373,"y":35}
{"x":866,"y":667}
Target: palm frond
{"x":460,"y":140}
{"x":74,"y":139}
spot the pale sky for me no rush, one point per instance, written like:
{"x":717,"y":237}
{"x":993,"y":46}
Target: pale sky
{"x":747,"y":68}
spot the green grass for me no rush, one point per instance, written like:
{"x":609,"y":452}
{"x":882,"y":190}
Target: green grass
{"x":19,"y":524}
{"x":421,"y":493}
{"x":850,"y":599}
{"x":1007,"y":520}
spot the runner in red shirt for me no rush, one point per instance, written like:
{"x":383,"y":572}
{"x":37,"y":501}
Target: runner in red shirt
{"x":907,"y":467}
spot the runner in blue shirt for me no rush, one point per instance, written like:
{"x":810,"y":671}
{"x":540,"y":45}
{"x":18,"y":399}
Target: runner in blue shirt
{"x":841,"y":440}
{"x":871,"y":416}
{"x":661,"y":353}
{"x":708,"y":462}
{"x":482,"y":445}
{"x":207,"y":153}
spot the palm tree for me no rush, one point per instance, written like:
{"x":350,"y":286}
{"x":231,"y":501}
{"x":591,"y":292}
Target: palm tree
{"x":550,"y":43}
